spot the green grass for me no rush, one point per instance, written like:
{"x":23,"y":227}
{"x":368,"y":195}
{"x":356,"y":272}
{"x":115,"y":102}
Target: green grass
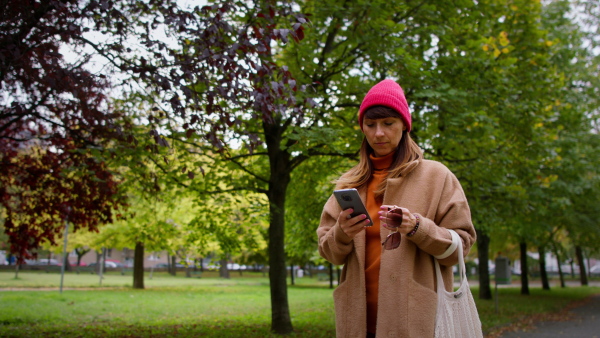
{"x":207,"y":306}
{"x":233,"y":311}
{"x":237,"y":307}
{"x":42,"y":279}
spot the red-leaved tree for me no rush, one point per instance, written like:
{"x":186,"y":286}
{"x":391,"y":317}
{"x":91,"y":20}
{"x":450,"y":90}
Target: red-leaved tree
{"x":54,"y":122}
{"x":208,"y":68}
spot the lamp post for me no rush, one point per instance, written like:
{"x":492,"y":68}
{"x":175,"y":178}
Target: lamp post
{"x":62,"y":268}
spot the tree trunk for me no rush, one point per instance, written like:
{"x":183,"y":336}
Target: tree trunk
{"x":67,"y":263}
{"x":173,"y":270}
{"x":292,"y":273}
{"x":223,"y":271}
{"x":543,"y":272}
{"x":281,"y":322}
{"x":98,"y":261}
{"x":581,"y":263}
{"x":279,"y":179}
{"x":524,"y":269}
{"x":80,"y":253}
{"x":560,"y":272}
{"x":483,"y":248}
{"x":138,"y":266}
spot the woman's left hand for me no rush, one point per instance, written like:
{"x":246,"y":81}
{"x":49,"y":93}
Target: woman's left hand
{"x":394,"y":217}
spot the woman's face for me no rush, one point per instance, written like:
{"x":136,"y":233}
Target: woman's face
{"x":383,"y":135}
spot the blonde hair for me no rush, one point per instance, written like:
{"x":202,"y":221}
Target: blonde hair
{"x":406,"y":152}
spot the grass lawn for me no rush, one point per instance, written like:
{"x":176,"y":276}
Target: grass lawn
{"x":207,"y":306}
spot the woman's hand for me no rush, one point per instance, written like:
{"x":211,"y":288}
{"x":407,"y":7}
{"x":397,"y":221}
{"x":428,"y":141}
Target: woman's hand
{"x":352,"y":226}
{"x":394,"y":217}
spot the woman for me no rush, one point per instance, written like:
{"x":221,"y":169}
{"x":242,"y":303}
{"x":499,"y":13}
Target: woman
{"x":387,"y":287}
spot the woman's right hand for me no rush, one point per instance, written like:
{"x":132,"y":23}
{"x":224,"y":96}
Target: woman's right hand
{"x":354,"y":225}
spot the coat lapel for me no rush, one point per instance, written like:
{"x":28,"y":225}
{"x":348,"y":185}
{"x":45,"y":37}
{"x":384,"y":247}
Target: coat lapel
{"x":360,"y":238}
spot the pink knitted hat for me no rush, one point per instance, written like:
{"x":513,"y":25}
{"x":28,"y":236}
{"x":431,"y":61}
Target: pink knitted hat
{"x":386,"y":93}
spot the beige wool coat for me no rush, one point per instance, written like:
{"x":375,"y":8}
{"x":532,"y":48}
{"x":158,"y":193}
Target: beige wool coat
{"x":407,"y":283}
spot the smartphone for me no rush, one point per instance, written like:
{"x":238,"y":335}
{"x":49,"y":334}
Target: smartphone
{"x":349,"y":198}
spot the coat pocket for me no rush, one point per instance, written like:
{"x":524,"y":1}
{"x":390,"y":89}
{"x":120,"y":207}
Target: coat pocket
{"x":340,"y":302}
{"x":422,"y":304}
{"x":350,"y":315}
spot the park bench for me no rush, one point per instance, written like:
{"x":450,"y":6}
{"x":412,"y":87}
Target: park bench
{"x":323,"y":276}
{"x":52,"y":268}
{"x":90,"y":269}
{"x":125,"y":271}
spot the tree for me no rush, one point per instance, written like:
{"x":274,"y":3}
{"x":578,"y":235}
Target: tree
{"x":576,"y":186}
{"x":153,"y":224}
{"x":492,"y":121}
{"x":52,"y":113}
{"x":218,"y":69}
{"x":559,"y":156}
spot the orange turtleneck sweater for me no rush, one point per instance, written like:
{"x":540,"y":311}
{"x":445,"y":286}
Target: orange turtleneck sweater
{"x":373,"y":245}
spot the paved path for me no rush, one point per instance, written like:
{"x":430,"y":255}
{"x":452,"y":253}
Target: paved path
{"x":585,"y":323}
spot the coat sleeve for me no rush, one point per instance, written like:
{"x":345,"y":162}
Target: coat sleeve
{"x":334,"y":244}
{"x":452,"y":212}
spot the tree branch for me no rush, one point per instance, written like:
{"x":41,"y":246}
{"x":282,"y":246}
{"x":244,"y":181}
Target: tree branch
{"x":247,"y":171}
{"x":262,"y":191}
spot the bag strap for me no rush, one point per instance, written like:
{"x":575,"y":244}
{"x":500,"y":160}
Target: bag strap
{"x":456,"y":243}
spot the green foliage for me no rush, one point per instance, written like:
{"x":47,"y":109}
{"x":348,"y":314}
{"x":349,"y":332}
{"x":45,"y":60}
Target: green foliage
{"x":310,"y":188}
{"x":237,"y":222}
